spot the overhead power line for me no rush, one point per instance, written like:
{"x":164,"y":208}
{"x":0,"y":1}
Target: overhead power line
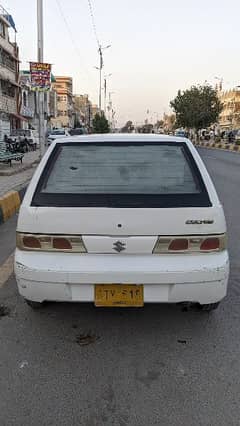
{"x":100,"y":51}
{"x":93,"y":22}
{"x":75,"y":46}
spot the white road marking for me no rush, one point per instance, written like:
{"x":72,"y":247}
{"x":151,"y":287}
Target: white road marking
{"x":6,"y":270}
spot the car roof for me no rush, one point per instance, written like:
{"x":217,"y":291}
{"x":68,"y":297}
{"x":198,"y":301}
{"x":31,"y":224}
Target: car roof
{"x":123,"y":137}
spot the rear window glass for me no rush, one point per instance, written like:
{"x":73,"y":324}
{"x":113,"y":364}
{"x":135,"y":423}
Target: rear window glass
{"x":145,"y":169}
{"x":120,"y":170}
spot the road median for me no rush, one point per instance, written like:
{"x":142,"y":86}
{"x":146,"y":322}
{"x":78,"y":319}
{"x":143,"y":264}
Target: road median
{"x":218,"y":145}
{"x":13,"y":182}
{"x":9,"y":205}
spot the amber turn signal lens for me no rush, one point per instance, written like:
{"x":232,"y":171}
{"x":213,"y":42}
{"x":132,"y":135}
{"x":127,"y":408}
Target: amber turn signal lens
{"x":178,"y":244}
{"x":31,"y":242}
{"x":61,"y":244}
{"x":210,"y":244}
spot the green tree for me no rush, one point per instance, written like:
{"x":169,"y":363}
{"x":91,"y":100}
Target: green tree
{"x":197,"y":107}
{"x":100,"y":124}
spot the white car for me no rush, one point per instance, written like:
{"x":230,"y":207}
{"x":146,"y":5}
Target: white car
{"x":32,"y":136}
{"x":122,"y":220}
{"x":56,"y":134}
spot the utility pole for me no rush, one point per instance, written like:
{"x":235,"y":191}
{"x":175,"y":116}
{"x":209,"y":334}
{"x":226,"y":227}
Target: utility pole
{"x":40,"y":94}
{"x":100,"y":51}
{"x":110,"y":109}
{"x":105,"y":94}
{"x":100,"y":78}
{"x":105,"y":91}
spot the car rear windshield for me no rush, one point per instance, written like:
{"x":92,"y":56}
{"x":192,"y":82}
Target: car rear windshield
{"x":121,"y":175}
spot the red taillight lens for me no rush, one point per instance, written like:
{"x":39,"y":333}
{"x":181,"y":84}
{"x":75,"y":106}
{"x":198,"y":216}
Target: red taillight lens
{"x":190,"y":244}
{"x":31,"y":242}
{"x":61,"y":244}
{"x":178,"y":244}
{"x":210,"y":244}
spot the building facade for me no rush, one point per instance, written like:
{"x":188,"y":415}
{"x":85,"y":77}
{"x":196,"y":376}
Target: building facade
{"x":28,"y":106}
{"x":9,"y":76}
{"x":65,"y":111}
{"x":83,"y":110}
{"x":230,"y":115}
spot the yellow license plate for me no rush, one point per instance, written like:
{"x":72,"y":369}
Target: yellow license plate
{"x":120,"y":295}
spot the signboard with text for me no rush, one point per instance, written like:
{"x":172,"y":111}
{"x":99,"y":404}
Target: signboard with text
{"x":40,"y":76}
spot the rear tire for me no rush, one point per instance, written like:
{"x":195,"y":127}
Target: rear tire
{"x":210,"y":307}
{"x":34,"y":305}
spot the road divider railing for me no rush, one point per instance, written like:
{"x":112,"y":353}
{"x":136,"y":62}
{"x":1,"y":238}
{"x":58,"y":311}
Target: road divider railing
{"x":9,"y":205}
{"x":218,"y":145}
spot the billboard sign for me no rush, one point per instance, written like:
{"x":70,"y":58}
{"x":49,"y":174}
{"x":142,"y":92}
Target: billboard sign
{"x":40,"y":76}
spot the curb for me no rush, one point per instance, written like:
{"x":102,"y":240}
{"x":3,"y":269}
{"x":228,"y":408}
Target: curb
{"x":23,"y":169}
{"x":218,"y":145}
{"x":10,"y":203}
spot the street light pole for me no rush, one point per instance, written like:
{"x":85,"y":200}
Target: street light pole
{"x":40,"y":59}
{"x":100,"y":78}
{"x":110,"y":109}
{"x":105,"y":91}
{"x":100,"y":51}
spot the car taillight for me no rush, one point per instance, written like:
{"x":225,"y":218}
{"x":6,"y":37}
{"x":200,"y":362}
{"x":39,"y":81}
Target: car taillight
{"x":38,"y":242}
{"x":61,"y":244}
{"x":210,"y":244}
{"x":190,"y":244}
{"x":178,"y":244}
{"x":31,"y":242}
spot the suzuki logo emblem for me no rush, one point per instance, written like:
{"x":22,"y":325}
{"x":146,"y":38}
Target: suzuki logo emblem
{"x":119,"y":246}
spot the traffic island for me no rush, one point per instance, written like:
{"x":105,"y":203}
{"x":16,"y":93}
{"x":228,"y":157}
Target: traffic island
{"x":9,"y":205}
{"x":218,"y":145}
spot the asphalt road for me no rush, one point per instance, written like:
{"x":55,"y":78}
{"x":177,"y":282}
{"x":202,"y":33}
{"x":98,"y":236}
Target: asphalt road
{"x":143,"y":367}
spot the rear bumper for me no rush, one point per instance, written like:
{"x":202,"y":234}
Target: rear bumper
{"x":71,"y":277}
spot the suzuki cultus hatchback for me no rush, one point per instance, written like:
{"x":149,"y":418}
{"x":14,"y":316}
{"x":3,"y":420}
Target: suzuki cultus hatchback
{"x":122,"y":220}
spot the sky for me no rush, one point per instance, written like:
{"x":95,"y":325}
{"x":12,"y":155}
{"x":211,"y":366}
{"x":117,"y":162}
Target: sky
{"x":157,"y":47}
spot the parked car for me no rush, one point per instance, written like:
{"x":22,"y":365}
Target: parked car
{"x":56,"y":134}
{"x":30,"y":136}
{"x":78,"y":131}
{"x":180,"y":133}
{"x":122,"y":220}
